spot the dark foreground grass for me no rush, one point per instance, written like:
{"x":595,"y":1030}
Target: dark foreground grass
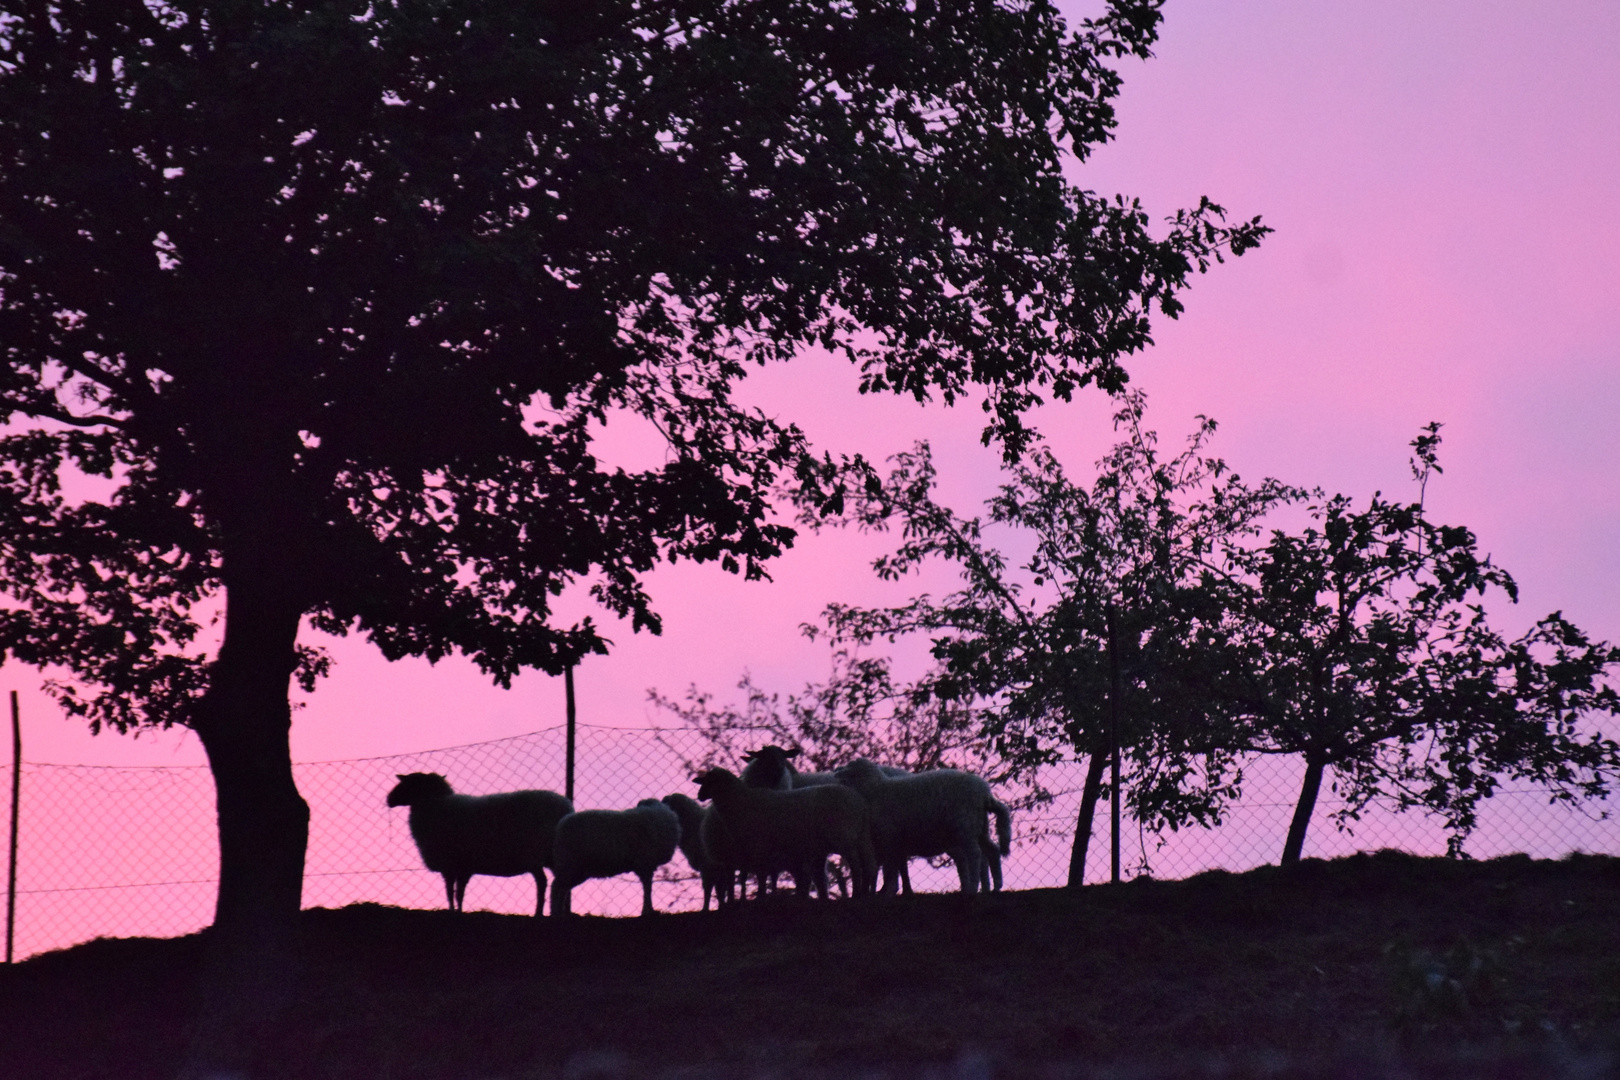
{"x":1369,"y":966}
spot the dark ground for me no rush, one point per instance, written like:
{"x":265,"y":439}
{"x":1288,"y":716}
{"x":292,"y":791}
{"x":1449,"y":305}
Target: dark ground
{"x":1381,"y":965}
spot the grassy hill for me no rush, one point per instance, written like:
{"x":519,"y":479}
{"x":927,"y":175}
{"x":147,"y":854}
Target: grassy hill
{"x":1377,"y":964}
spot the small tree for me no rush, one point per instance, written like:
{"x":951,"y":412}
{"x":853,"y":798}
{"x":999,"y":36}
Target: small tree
{"x":1064,"y":646}
{"x":860,"y":711}
{"x":1361,"y":644}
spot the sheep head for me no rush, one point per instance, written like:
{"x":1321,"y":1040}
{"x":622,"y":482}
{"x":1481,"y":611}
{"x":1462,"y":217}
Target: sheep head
{"x":770,"y":767}
{"x":860,"y":773}
{"x":419,"y":787}
{"x":712,"y":781}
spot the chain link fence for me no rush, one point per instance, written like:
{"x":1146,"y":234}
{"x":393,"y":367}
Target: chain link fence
{"x":112,"y":851}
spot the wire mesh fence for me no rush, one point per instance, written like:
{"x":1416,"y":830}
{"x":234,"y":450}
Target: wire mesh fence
{"x":111,"y":851}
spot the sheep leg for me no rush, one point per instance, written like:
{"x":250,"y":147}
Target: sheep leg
{"x":894,"y":873}
{"x":821,"y":881}
{"x":449,"y":891}
{"x":539,"y":893}
{"x":646,"y":893}
{"x":992,"y":864}
{"x":863,"y":866}
{"x":968,"y":866}
{"x":905,"y":878}
{"x":561,"y":897}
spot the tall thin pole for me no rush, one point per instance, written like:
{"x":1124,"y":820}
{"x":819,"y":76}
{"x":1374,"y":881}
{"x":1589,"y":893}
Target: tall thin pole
{"x":568,"y":682}
{"x":1113,"y":738}
{"x":16,"y":800}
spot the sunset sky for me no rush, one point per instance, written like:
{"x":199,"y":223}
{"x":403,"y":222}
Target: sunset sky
{"x":1444,"y":181}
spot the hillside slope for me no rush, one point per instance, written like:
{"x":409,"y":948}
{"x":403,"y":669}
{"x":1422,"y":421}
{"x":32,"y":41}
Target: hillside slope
{"x":1381,"y":962}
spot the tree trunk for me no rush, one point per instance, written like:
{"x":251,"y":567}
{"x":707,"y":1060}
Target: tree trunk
{"x":1083,"y":823}
{"x":243,"y":721}
{"x":1303,"y":810}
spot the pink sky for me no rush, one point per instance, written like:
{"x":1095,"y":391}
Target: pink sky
{"x":1442,"y":179}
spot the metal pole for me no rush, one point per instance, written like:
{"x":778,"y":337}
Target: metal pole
{"x":568,"y":682}
{"x":16,"y":799}
{"x":1113,"y":738}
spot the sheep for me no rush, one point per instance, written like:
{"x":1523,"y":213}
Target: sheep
{"x":772,"y":767}
{"x":697,"y":839}
{"x":932,"y":813}
{"x":721,"y":850}
{"x":795,"y":830}
{"x":606,"y":843}
{"x":992,"y":857}
{"x":462,"y":835}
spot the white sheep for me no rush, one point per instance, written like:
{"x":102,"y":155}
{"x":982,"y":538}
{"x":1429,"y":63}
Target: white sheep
{"x":698,"y":836}
{"x":940,"y":812}
{"x":462,"y":835}
{"x":794,"y":830}
{"x":606,"y":843}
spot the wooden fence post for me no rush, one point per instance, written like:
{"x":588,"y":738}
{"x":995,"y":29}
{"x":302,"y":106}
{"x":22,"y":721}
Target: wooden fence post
{"x":16,"y":801}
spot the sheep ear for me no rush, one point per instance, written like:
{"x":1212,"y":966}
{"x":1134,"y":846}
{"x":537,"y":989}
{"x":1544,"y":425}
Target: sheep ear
{"x":399,"y":775}
{"x":796,"y":751}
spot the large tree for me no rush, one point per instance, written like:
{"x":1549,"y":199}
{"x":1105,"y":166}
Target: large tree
{"x":333,"y":291}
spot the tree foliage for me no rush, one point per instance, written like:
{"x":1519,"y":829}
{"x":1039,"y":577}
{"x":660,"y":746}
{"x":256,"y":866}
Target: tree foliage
{"x":1063,"y":646}
{"x":1361,"y":644}
{"x":859,"y":711}
{"x":335,"y":290}
{"x":1154,"y":611}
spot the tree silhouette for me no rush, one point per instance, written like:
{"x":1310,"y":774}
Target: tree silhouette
{"x":859,"y":711}
{"x":333,"y":291}
{"x":1063,"y":646}
{"x":1361,"y":644}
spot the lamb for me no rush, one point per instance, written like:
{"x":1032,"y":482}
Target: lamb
{"x":698,"y":836}
{"x":794,"y":829}
{"x":932,"y":813}
{"x":606,"y":843}
{"x":462,"y":835}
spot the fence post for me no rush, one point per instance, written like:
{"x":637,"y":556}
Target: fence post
{"x":568,"y":774}
{"x":1113,"y":739}
{"x":16,"y":799}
